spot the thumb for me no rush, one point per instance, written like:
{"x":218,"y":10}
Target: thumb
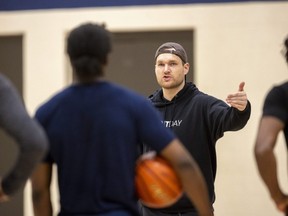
{"x":241,"y":86}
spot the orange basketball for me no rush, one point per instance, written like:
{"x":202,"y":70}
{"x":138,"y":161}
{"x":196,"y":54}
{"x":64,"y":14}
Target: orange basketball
{"x":157,"y":184}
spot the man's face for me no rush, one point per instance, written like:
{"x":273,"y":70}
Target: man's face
{"x":170,"y":71}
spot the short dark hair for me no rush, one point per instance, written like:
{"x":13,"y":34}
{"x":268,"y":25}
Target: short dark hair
{"x":88,"y":46}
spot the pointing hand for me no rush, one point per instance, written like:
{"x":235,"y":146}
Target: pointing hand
{"x":239,"y":99}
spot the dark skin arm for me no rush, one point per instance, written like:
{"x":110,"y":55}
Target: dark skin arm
{"x":3,"y":196}
{"x":268,"y":131}
{"x":41,"y":197}
{"x":190,"y":175}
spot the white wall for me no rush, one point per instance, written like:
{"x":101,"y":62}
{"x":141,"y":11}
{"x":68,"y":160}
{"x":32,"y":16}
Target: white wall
{"x":234,"y":43}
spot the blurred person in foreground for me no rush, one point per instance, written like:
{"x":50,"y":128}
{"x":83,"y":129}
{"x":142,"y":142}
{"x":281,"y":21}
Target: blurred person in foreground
{"x":27,"y":134}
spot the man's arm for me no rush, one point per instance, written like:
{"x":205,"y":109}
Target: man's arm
{"x":268,"y":131}
{"x":190,"y":175}
{"x":41,"y":196}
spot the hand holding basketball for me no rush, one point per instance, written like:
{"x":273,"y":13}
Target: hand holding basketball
{"x":157,"y":184}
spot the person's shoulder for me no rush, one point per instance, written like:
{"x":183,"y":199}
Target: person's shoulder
{"x":206,"y":101}
{"x":53,"y":100}
{"x":8,"y":90}
{"x":204,"y":97}
{"x":3,"y":78}
{"x":126,"y":92}
{"x":5,"y":82}
{"x":284,"y":85}
{"x":281,"y":88}
{"x":131,"y":99}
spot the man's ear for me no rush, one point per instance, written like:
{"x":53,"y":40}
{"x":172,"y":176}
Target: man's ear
{"x":186,"y":68}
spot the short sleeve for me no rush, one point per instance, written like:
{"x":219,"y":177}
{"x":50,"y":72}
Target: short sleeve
{"x":275,"y":103}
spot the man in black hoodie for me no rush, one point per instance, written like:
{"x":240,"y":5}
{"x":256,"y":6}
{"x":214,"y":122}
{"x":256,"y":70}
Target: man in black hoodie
{"x":197,"y":119}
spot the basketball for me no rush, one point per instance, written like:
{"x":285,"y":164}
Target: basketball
{"x":157,"y":184}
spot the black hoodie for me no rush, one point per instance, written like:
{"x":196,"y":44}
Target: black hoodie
{"x":198,"y":120}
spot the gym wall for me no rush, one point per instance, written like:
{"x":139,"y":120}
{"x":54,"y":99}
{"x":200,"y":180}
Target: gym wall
{"x":232,"y":42}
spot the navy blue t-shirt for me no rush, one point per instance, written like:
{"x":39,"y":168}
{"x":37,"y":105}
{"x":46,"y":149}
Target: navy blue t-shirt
{"x":94,"y":131}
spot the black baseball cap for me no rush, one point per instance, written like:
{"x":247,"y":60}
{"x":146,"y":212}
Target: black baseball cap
{"x":173,"y":48}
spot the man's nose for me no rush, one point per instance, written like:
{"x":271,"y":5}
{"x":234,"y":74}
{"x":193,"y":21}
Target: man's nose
{"x":166,"y":68}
